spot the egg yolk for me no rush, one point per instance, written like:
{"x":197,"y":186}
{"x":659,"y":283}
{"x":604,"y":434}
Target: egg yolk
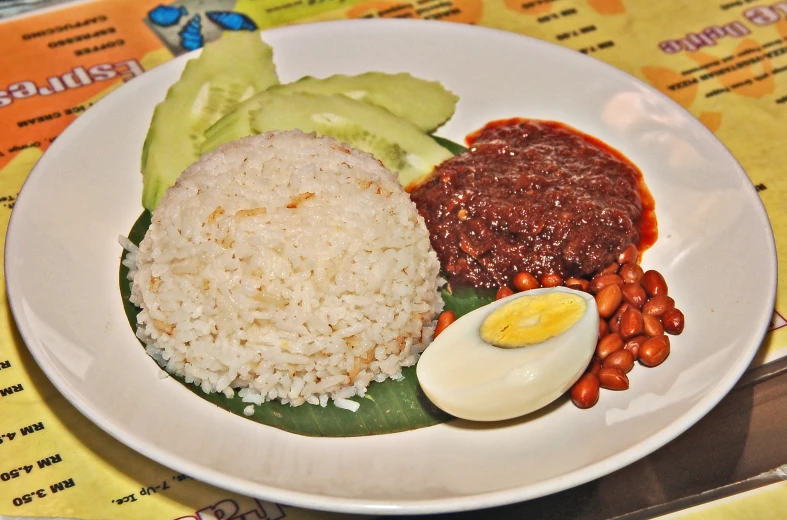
{"x":530,"y":320}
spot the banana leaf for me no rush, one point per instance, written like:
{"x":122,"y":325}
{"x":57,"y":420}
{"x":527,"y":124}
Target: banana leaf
{"x":388,"y":407}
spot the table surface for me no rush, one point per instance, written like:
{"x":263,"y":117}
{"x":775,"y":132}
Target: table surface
{"x":739,"y":445}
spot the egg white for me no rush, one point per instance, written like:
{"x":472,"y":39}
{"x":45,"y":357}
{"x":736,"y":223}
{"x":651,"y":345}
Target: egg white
{"x":471,"y":379}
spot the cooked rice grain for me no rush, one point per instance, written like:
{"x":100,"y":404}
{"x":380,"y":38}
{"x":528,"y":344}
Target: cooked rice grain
{"x":287,"y":266}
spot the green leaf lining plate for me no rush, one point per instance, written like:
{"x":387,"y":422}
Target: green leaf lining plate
{"x":387,"y":407}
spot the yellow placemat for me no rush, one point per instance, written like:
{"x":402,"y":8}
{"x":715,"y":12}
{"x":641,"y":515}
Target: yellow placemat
{"x":725,"y":61}
{"x":765,"y":503}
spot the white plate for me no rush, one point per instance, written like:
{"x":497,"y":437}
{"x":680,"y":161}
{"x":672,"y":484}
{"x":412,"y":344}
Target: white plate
{"x":715,"y":249}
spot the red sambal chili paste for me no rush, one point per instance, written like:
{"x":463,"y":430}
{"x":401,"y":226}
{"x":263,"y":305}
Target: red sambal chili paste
{"x":535,"y":196}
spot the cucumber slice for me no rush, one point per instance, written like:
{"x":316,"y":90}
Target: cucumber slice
{"x":397,"y":142}
{"x":228,"y":71}
{"x":426,"y":103}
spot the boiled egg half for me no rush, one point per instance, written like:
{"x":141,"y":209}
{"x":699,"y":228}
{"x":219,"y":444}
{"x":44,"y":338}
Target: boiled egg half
{"x":511,"y":357}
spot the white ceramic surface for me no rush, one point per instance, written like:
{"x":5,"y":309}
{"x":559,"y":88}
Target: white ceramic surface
{"x":62,"y":266}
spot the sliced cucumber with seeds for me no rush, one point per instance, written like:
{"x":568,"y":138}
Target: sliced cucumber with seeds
{"x":426,"y":103}
{"x":228,"y":71}
{"x":397,"y":142}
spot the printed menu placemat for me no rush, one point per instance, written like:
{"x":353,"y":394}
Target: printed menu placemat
{"x":724,"y":61}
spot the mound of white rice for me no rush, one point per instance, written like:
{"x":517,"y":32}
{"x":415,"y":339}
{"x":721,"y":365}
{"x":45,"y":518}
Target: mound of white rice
{"x":287,"y":266}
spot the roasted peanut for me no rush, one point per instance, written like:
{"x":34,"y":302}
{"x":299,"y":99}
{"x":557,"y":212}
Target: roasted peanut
{"x":585,"y":391}
{"x":446,"y":318}
{"x":613,"y":379}
{"x":594,"y":366}
{"x":579,"y":284}
{"x":631,"y":324}
{"x":654,"y":351}
{"x":621,"y":359}
{"x":611,"y":268}
{"x":614,"y":321}
{"x":673,"y":321}
{"x":653,"y":326}
{"x":629,"y":255}
{"x":631,"y":273}
{"x":551,"y":280}
{"x":658,"y":305}
{"x":603,"y":328}
{"x":503,"y":292}
{"x":608,"y":344}
{"x":524,"y":281}
{"x":654,"y":283}
{"x":608,"y":300}
{"x":614,"y":324}
{"x":634,"y":294}
{"x":600,"y":281}
{"x":633,"y":345}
